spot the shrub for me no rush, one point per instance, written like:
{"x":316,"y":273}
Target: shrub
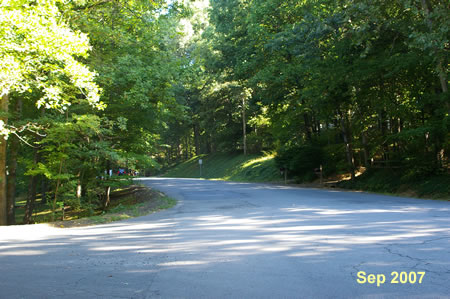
{"x":300,"y":160}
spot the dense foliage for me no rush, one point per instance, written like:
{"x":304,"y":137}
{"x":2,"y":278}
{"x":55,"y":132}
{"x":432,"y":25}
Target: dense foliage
{"x":343,"y":84}
{"x":90,"y":86}
{"x":63,"y":141}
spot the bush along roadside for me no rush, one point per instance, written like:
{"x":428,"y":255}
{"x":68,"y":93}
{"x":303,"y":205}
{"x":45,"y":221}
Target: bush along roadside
{"x":129,"y":202}
{"x":400,"y":182}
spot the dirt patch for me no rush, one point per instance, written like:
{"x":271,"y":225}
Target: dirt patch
{"x":131,"y":202}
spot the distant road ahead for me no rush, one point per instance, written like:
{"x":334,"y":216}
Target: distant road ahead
{"x":237,"y":240}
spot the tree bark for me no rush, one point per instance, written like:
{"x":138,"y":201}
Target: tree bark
{"x":58,"y":182}
{"x":3,"y":196}
{"x":79,"y":189}
{"x":43,"y":190}
{"x":31,"y":199}
{"x":244,"y":126}
{"x":11,"y":180}
{"x":428,"y":9}
{"x":348,"y":147}
{"x":107,"y":197}
{"x":186,"y":147}
{"x":443,"y":77}
{"x":444,"y":82}
{"x":307,"y":126}
{"x":13,"y":150}
{"x":365,"y":149}
{"x":197,"y":139}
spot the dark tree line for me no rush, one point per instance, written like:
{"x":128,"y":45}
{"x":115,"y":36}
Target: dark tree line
{"x":340,"y":83}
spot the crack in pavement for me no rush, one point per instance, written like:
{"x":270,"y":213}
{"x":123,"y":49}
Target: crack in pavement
{"x":356,"y":269}
{"x":403,"y":255}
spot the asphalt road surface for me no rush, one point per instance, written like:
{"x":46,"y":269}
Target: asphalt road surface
{"x":237,"y":240}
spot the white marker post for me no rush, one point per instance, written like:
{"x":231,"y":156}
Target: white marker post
{"x":200,"y":163}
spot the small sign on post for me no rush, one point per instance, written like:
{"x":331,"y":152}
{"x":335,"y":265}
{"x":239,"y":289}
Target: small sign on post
{"x":200,"y":163}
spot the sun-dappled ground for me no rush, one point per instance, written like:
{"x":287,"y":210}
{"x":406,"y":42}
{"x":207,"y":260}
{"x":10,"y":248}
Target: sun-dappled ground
{"x":230,"y":240}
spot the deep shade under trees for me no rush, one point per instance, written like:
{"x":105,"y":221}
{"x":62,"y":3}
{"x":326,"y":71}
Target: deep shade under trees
{"x":90,"y":86}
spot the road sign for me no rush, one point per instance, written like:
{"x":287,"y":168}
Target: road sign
{"x":200,"y":161}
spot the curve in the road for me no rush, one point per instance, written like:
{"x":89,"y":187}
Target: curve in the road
{"x":238,"y":240}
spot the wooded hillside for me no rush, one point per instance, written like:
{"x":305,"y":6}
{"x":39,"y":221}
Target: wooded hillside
{"x":90,"y":86}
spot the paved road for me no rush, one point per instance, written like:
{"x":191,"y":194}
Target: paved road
{"x":235,"y":240}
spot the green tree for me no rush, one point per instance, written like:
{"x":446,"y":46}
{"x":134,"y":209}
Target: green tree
{"x":39,"y":51}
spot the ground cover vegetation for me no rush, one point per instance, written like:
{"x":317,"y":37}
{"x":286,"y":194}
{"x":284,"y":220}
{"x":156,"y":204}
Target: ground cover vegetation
{"x":229,"y":166}
{"x":93,"y":85}
{"x":127,"y":202}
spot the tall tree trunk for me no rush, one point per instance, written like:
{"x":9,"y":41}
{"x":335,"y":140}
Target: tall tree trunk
{"x":55,"y":198}
{"x":13,"y":150}
{"x":79,"y":188}
{"x":441,"y":65}
{"x":107,"y":197}
{"x":308,"y":128}
{"x":428,"y":9}
{"x":107,"y":189}
{"x":198,"y":151}
{"x":43,"y":179}
{"x":11,"y":181}
{"x":81,"y":183}
{"x":384,"y":129}
{"x":365,"y":149}
{"x":209,"y":145}
{"x":31,"y":198}
{"x":186,"y":147}
{"x":348,"y":146}
{"x":43,"y":190}
{"x":3,"y":196}
{"x":443,"y":78}
{"x":244,"y":126}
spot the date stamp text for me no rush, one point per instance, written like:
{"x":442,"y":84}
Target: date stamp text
{"x":396,"y":278}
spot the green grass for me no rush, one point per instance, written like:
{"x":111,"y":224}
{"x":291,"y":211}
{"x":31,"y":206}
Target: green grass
{"x":230,"y":167}
{"x":126,"y":209}
{"x":167,"y":203}
{"x":127,"y":206}
{"x":390,"y":181}
{"x":42,"y":213}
